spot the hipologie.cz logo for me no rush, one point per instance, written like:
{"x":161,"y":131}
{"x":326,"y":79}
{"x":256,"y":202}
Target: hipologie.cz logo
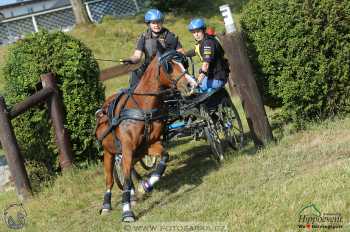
{"x":15,"y":216}
{"x":310,"y":217}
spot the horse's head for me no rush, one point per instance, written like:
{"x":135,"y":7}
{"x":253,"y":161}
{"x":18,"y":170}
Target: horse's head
{"x":173,"y":72}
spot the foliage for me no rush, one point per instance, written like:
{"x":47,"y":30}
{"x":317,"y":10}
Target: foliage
{"x":38,"y":174}
{"x":301,"y":52}
{"x":77,"y":75}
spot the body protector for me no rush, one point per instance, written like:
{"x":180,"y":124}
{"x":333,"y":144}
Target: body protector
{"x":149,"y":45}
{"x":210,"y":50}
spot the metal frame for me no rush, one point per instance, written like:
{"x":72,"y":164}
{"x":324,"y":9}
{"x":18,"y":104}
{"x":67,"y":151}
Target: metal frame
{"x":12,"y":29}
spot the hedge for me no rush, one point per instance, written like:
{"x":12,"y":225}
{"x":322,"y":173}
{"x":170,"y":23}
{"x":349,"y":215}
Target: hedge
{"x":77,"y":72}
{"x":301,"y":54}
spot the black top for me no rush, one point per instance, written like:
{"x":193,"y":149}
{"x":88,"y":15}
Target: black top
{"x":147,"y":43}
{"x":212,"y":52}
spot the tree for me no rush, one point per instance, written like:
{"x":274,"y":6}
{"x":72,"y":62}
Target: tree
{"x":300,"y":50}
{"x":80,"y":14}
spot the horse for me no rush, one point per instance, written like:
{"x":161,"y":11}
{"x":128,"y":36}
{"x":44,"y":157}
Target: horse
{"x":134,"y":119}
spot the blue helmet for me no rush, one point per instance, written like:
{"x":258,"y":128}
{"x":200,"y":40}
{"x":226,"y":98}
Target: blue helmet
{"x":153,"y":15}
{"x":196,"y":24}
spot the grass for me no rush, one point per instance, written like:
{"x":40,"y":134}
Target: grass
{"x":252,"y":191}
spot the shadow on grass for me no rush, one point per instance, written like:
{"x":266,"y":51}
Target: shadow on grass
{"x":190,"y":172}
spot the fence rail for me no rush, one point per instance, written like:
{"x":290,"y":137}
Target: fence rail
{"x":62,"y":18}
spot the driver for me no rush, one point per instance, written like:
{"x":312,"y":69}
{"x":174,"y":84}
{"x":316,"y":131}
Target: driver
{"x":148,"y":44}
{"x":214,"y":71}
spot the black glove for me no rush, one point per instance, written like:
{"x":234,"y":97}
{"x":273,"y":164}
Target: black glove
{"x":126,"y":61}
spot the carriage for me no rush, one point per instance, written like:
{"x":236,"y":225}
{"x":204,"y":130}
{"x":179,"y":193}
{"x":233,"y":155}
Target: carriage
{"x":211,"y":116}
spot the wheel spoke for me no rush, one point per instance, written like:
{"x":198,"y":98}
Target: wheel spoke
{"x":232,"y":125}
{"x":212,"y":133}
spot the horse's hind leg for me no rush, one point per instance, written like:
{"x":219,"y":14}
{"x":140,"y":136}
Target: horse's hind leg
{"x":108,"y":169}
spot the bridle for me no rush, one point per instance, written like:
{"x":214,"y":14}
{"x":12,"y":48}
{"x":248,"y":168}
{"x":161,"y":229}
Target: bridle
{"x":164,"y":61}
{"x":174,"y":81}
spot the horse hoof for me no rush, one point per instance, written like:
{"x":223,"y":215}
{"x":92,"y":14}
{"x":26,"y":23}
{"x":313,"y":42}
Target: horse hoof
{"x":106,"y":208}
{"x":128,"y":216}
{"x":105,"y":211}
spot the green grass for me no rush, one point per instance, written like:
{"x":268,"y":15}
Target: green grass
{"x":252,"y":191}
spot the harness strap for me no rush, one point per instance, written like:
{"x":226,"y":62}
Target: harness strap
{"x":113,"y":120}
{"x":135,"y":114}
{"x":141,"y":115}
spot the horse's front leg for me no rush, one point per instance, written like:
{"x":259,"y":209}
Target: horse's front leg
{"x":108,"y":159}
{"x":127,"y":215}
{"x":146,"y":186}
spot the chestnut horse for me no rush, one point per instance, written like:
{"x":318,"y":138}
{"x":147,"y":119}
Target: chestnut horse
{"x":135,"y":120}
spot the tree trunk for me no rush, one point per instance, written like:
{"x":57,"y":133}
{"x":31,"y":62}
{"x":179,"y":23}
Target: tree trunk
{"x":80,"y":14}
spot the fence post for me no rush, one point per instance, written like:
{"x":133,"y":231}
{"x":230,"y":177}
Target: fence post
{"x":89,"y":11}
{"x":243,"y":81}
{"x":137,"y":6}
{"x":57,"y":116}
{"x":13,"y":155}
{"x":35,"y":24}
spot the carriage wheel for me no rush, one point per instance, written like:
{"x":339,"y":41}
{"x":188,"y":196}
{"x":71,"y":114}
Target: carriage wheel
{"x":118,"y":174}
{"x":148,"y":162}
{"x":231,"y":124}
{"x":212,"y":135}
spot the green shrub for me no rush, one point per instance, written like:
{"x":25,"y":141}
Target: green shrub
{"x":77,"y":75}
{"x":301,"y":52}
{"x":38,"y":175}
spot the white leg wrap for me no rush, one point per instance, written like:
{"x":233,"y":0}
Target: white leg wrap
{"x":126,"y":207}
{"x":154,"y":179}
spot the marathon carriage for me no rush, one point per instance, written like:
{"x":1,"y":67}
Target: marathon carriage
{"x":211,"y":116}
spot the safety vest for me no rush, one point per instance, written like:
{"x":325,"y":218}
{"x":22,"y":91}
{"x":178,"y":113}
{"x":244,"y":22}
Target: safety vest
{"x":197,"y":47}
{"x":220,"y":64}
{"x":151,"y":46}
